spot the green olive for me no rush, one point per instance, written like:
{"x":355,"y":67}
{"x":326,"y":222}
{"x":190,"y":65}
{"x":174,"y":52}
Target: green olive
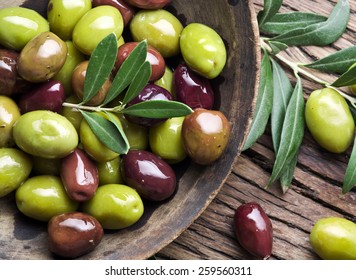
{"x":329,"y":120}
{"x":71,"y":113}
{"x":166,"y":140}
{"x":166,"y":81}
{"x":9,"y":113}
{"x":115,"y":206}
{"x":19,"y":25}
{"x":160,"y":28}
{"x":136,"y":135}
{"x":109,"y":172}
{"x":42,"y":197}
{"x":63,"y":15}
{"x":334,"y":238}
{"x":203,"y":49}
{"x":45,"y":134}
{"x":15,"y":167}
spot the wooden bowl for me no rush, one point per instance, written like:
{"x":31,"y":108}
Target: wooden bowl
{"x":235,"y":21}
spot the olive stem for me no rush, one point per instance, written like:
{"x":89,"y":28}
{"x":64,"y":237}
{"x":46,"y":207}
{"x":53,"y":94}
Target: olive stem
{"x":89,"y":108}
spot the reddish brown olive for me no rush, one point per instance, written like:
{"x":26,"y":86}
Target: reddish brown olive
{"x":126,"y":10}
{"x":149,"y":4}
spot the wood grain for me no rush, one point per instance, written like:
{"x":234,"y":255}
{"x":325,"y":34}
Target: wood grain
{"x":316,"y":185}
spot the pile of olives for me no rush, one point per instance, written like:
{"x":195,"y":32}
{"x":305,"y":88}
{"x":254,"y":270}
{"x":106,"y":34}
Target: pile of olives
{"x":58,"y":170}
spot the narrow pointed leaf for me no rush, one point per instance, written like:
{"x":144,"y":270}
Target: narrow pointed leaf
{"x":263,"y":103}
{"x":127,"y":71}
{"x":350,"y":173}
{"x":338,"y":62}
{"x":139,"y":81}
{"x":277,"y":46}
{"x":124,"y":141}
{"x":106,"y":131}
{"x":101,"y":62}
{"x":320,"y":34}
{"x":346,"y":79}
{"x":270,"y":8}
{"x":287,"y":174}
{"x":158,"y":109}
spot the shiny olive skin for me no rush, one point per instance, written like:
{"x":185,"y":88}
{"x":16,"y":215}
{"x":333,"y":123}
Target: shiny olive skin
{"x":329,"y":120}
{"x":153,"y":178}
{"x":42,"y":197}
{"x":205,"y":135}
{"x":126,"y":10}
{"x":45,"y":96}
{"x":253,"y":230}
{"x":149,"y":4}
{"x":334,"y":238}
{"x":46,"y":134}
{"x":72,"y":114}
{"x":109,"y":172}
{"x":95,"y":25}
{"x":150,"y":92}
{"x":203,"y":50}
{"x":160,"y":28}
{"x":79,"y":175}
{"x":9,"y":114}
{"x":192,"y":89}
{"x":153,"y":57}
{"x":137,"y":135}
{"x":19,"y":25}
{"x":166,"y":81}
{"x":63,"y":16}
{"x":15,"y":168}
{"x":42,"y":57}
{"x":115,"y":206}
{"x":166,"y":140}
{"x":71,"y":235}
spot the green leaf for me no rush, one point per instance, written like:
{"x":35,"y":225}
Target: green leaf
{"x":263,"y":104}
{"x":127,"y":71}
{"x":124,"y":142}
{"x":158,"y":109}
{"x":320,"y":34}
{"x":292,"y":133}
{"x":286,"y":22}
{"x":350,"y":173}
{"x":277,"y":46}
{"x":101,"y":62}
{"x":346,"y":79}
{"x":288,"y":173}
{"x":338,"y":62}
{"x":107,"y":132}
{"x":139,"y":81}
{"x":270,"y":8}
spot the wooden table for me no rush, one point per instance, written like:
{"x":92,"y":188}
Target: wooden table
{"x":316,"y":188}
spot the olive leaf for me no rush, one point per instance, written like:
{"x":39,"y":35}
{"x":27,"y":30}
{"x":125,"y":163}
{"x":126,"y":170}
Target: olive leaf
{"x":346,"y":79}
{"x":338,"y":62}
{"x":350,"y":174}
{"x":264,"y":103}
{"x":270,"y":8}
{"x":320,"y":34}
{"x":288,"y":173}
{"x":286,"y":22}
{"x":277,"y":47}
{"x":100,"y":65}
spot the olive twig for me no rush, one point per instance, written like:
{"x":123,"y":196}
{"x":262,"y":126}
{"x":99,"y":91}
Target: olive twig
{"x":89,"y":108}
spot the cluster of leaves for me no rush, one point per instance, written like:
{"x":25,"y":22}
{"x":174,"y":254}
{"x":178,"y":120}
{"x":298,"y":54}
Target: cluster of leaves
{"x":131,"y":78}
{"x":280,"y":103}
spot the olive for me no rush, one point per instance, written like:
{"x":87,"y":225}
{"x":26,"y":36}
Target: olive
{"x":126,"y":10}
{"x":152,"y":177}
{"x":44,"y":96}
{"x":72,"y":113}
{"x":71,"y":235}
{"x":109,"y":172}
{"x":203,"y":50}
{"x":166,"y":140}
{"x":42,"y":57}
{"x":19,"y":25}
{"x":79,"y":175}
{"x":329,"y":120}
{"x":160,"y":28}
{"x":137,"y":135}
{"x":42,"y":197}
{"x":205,"y":135}
{"x":153,"y":57}
{"x":149,"y":92}
{"x":95,"y":25}
{"x":191,"y":88}
{"x":253,"y":229}
{"x":334,"y":238}
{"x":115,"y":206}
{"x":78,"y":78}
{"x":15,"y":168}
{"x":149,"y":4}
{"x":46,"y":134}
{"x":9,"y":114}
{"x":62,"y":17}
{"x":166,"y":81}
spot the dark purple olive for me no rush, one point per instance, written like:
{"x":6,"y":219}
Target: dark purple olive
{"x":149,"y":4}
{"x":79,"y":175}
{"x":253,"y":230}
{"x":46,"y":96}
{"x":152,"y":177}
{"x":150,"y":92}
{"x":192,"y":89}
{"x":73,"y":234}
